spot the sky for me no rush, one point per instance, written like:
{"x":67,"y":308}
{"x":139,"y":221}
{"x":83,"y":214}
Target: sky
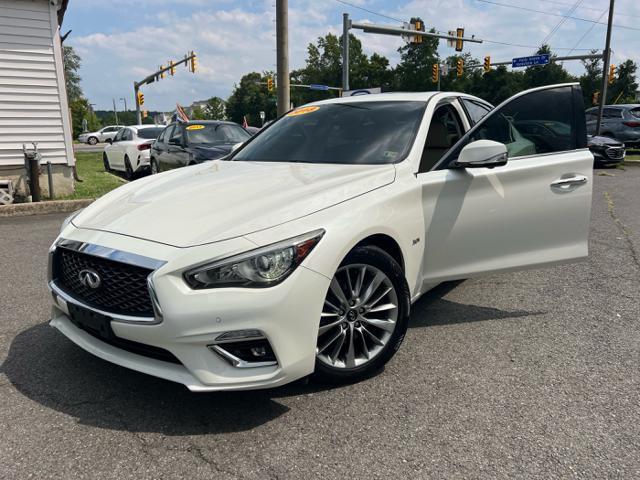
{"x":120,"y":41}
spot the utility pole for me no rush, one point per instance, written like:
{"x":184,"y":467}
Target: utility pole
{"x":125,"y":104}
{"x":114,"y":110}
{"x":282,"y":53}
{"x":136,"y":89}
{"x":605,"y":68}
{"x":346,"y":25}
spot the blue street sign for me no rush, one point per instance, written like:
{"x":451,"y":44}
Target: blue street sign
{"x":530,"y":61}
{"x":315,"y":86}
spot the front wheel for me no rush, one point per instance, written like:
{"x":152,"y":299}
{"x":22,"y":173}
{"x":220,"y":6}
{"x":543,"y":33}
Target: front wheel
{"x":154,"y":166}
{"x":92,"y":140}
{"x":364,"y":318}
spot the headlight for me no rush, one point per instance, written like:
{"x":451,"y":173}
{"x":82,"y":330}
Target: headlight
{"x":68,"y":220}
{"x":263,"y":267}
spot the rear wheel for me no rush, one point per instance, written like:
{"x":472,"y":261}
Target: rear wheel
{"x":364,"y":318}
{"x":128,"y":171}
{"x":105,"y":161}
{"x":154,"y":167}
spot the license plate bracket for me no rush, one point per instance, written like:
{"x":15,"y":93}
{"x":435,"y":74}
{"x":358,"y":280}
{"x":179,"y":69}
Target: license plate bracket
{"x":96,"y":324}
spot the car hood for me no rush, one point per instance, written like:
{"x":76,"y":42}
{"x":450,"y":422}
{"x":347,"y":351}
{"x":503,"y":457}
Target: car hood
{"x":220,"y":200}
{"x":592,"y":139}
{"x":211,"y":152}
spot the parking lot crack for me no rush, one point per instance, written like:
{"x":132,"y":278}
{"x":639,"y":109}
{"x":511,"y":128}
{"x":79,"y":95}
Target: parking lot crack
{"x":626,"y":232}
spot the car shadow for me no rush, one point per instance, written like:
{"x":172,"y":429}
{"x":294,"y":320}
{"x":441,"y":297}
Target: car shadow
{"x":49,"y":369}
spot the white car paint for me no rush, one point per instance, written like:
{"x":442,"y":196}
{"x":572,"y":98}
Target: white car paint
{"x":448,"y":224}
{"x":126,"y":145}
{"x":105,"y":134}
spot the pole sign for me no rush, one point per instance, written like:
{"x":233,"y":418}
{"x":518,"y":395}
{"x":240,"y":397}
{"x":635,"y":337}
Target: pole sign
{"x":262,"y":115}
{"x":530,"y":61}
{"x":315,"y":86}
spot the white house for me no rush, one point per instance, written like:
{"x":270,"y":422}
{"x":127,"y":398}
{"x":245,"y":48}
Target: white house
{"x":33,"y":98}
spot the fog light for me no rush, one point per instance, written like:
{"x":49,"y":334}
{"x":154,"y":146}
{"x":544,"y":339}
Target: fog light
{"x":258,"y":351}
{"x":246,"y":354}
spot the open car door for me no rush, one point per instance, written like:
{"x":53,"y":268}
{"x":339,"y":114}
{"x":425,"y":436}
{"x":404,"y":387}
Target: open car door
{"x":514,"y":192}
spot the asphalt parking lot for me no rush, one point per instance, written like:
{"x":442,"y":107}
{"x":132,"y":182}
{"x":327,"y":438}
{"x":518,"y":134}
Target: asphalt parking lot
{"x":531,"y":374}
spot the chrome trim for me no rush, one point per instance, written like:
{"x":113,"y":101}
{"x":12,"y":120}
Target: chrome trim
{"x":248,"y":335}
{"x":154,"y":299}
{"x":237,"y":362}
{"x":58,"y":292}
{"x":111,"y":254}
{"x":569,"y":181}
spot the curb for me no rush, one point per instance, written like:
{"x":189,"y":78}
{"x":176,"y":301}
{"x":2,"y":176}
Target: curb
{"x":39,"y":208}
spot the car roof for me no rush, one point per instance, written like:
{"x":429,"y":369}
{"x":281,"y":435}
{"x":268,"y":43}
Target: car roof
{"x":381,"y":97}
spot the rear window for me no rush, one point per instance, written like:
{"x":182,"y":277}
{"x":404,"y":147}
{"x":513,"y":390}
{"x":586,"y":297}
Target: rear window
{"x":635,"y":112}
{"x":149,"y":133}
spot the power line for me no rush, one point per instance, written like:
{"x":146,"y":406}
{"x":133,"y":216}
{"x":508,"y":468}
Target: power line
{"x":519,"y":45}
{"x":554,"y":14}
{"x":586,"y":7}
{"x":370,"y":11}
{"x":589,"y":30}
{"x":561,"y":22}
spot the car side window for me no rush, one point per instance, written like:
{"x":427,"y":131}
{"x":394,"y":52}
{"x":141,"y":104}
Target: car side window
{"x":118,"y":137}
{"x":475,"y":110}
{"x":176,"y":134}
{"x":164,"y":136}
{"x":528,"y":125}
{"x":612,"y":113}
{"x":445,"y":130}
{"x":127,"y":134}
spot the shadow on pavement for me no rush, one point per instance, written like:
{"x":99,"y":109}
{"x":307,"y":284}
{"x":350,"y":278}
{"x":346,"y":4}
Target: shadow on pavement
{"x":50,"y":370}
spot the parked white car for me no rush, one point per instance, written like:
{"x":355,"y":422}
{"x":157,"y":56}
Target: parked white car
{"x":304,"y":252}
{"x":129,"y":151}
{"x":105,"y":134}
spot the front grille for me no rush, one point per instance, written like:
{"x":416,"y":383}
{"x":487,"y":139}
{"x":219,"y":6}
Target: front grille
{"x":123,"y":287}
{"x":615,"y":153}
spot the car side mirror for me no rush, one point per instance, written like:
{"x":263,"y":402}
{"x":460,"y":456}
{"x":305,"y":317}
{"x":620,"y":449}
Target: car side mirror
{"x":482,"y":153}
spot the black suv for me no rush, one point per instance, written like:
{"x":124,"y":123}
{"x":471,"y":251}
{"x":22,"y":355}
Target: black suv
{"x":188,"y":143}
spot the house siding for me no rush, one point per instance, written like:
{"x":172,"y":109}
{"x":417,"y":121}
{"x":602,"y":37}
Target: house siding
{"x":33,"y":103}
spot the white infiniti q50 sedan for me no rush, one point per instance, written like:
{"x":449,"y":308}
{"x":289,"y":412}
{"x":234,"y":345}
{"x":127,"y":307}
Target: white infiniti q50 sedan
{"x":303,"y":250}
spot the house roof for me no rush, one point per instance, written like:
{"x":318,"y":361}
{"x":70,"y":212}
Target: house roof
{"x":61,"y":10}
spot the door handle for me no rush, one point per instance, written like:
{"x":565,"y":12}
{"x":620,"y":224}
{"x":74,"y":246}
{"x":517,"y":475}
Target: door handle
{"x":565,"y":183}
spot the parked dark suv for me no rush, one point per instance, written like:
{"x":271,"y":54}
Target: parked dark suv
{"x":621,"y":122}
{"x":188,"y":143}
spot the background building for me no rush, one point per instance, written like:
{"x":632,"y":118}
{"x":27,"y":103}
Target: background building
{"x":33,"y":99}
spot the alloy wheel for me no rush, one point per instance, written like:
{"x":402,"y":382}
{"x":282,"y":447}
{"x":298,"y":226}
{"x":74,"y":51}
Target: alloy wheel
{"x":358,"y":318}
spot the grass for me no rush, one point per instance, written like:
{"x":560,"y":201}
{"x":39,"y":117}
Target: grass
{"x":95,"y":181}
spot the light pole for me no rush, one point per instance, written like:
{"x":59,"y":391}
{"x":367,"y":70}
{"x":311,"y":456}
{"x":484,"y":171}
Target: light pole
{"x":115,"y":112}
{"x":282,"y":54}
{"x":125,"y":103}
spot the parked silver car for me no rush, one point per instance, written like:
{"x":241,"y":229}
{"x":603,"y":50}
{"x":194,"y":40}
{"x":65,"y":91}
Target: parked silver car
{"x":105,"y":134}
{"x":621,"y":122}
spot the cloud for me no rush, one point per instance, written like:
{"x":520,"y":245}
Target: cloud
{"x":232,"y":38}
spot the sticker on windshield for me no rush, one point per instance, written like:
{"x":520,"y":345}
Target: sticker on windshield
{"x":195,"y":127}
{"x":302,"y":111}
{"x":390,"y":154}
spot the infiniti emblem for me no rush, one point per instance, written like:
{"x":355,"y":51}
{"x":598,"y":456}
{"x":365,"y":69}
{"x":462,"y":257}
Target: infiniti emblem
{"x":89,"y":278}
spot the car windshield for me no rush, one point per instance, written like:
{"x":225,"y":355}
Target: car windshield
{"x":215,"y":134}
{"x":347,"y":133}
{"x":149,"y":133}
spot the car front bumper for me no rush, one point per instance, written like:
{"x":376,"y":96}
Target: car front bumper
{"x":287,"y":314}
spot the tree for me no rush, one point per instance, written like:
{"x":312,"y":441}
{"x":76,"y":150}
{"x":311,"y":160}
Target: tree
{"x":625,"y":85}
{"x":591,"y":80}
{"x":549,"y":74}
{"x":215,"y":109}
{"x":249,"y":97}
{"x":78,"y":104}
{"x":413,"y":73}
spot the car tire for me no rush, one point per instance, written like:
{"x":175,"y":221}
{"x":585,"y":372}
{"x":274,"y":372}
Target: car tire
{"x":92,"y":140}
{"x":105,"y":161}
{"x":364,"y":318}
{"x":154,"y":166}
{"x":128,"y":170}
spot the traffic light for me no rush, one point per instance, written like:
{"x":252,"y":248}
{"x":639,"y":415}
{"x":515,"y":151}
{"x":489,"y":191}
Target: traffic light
{"x":459,"y":42}
{"x":460,"y":67}
{"x":145,"y":113}
{"x":194,"y":62}
{"x":161,"y":73}
{"x":487,"y":64}
{"x":595,"y":97}
{"x":270,"y":84}
{"x":172,"y":68}
{"x":417,"y":25}
{"x":140,"y":98}
{"x":435,"y":73}
{"x":612,"y":74}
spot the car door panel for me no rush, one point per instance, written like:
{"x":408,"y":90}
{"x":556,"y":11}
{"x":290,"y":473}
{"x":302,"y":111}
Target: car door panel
{"x":534,"y":211}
